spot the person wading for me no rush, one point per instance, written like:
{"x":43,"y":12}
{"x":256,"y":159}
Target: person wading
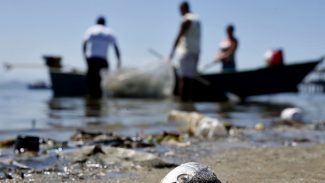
{"x":188,"y":45}
{"x":97,"y":40}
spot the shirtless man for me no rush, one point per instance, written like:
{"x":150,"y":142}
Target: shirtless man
{"x":227,"y":52}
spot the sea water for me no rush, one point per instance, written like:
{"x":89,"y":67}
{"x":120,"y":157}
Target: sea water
{"x":36,"y":112}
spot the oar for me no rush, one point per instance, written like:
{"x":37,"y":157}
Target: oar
{"x":9,"y":66}
{"x":161,"y":57}
{"x":208,"y":65}
{"x":156,"y":54}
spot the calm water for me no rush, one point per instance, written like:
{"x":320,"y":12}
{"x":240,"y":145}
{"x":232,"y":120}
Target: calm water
{"x":35,"y":112}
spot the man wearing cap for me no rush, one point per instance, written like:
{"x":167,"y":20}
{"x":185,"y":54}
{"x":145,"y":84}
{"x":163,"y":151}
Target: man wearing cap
{"x":97,"y":40}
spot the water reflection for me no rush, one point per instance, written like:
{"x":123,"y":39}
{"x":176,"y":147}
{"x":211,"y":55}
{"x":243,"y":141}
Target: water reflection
{"x":63,"y":104}
{"x":131,"y":116}
{"x":186,"y":106}
{"x":127,"y":116}
{"x":152,"y":113}
{"x":77,"y":112}
{"x":91,"y":107}
{"x":95,"y":107}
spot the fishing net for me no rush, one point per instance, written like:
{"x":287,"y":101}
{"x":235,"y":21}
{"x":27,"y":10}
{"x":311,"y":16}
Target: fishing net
{"x":155,"y":80}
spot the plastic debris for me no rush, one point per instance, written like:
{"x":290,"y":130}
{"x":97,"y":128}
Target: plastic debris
{"x":199,"y":125}
{"x":292,"y":115}
{"x":27,"y":143}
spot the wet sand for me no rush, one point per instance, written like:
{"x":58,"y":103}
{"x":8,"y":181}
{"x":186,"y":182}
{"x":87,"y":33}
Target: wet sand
{"x":283,"y":164}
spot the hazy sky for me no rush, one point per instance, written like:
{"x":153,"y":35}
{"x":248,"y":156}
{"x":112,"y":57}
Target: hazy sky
{"x":30,"y":29}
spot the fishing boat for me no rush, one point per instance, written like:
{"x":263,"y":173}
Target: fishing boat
{"x":262,"y":81}
{"x":207,"y":87}
{"x":314,"y":82}
{"x":64,"y":83}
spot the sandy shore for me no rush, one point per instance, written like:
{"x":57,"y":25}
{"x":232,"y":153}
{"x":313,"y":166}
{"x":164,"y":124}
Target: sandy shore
{"x":284,"y":164}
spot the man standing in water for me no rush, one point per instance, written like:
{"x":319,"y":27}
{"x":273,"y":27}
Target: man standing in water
{"x":228,"y":48}
{"x":188,"y":44}
{"x":96,"y":42}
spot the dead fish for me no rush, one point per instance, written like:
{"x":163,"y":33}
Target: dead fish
{"x":191,"y":172}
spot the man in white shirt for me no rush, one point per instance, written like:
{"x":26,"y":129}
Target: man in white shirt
{"x":97,"y":41}
{"x":188,"y":43}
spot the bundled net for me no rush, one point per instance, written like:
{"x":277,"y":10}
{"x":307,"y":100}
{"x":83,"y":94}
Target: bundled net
{"x":153,"y":81}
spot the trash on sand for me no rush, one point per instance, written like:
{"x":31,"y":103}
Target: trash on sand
{"x":7,"y":143}
{"x":110,"y":139}
{"x":34,"y":145}
{"x":82,"y":135}
{"x":124,"y":158}
{"x":320,"y":125}
{"x":11,"y":163}
{"x":165,"y":137}
{"x":292,"y":115}
{"x":191,"y":172}
{"x":27,"y":144}
{"x":200,"y":125}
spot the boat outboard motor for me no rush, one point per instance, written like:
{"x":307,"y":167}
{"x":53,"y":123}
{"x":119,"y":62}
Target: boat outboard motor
{"x":53,"y":62}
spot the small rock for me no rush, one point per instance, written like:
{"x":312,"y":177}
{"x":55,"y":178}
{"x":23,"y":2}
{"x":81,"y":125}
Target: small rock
{"x":259,"y":127}
{"x":320,"y":126}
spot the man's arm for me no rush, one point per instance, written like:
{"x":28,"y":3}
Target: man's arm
{"x":183,"y":29}
{"x":229,"y":52}
{"x":84,"y":46}
{"x":118,"y":56}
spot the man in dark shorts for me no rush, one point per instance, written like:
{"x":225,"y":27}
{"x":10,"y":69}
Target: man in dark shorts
{"x":97,"y":40}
